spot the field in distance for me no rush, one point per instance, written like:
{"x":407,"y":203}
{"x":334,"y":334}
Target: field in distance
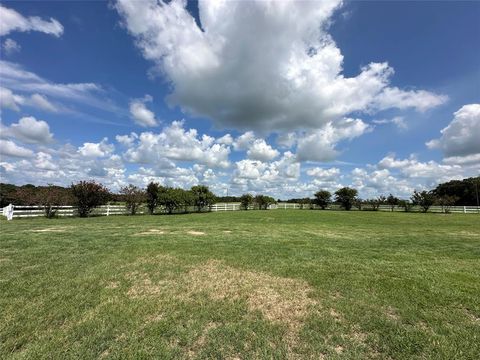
{"x":282,"y":284}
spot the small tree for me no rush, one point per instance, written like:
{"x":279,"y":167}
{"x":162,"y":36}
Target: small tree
{"x":392,"y":201}
{"x":202,"y":197}
{"x":133,"y":196}
{"x":446,"y":202}
{"x":406,"y":205}
{"x":48,"y":197}
{"x":151,"y":194}
{"x":424,"y":199}
{"x":358,"y":203}
{"x":264,"y":201}
{"x":305,"y":203}
{"x":88,"y":195}
{"x":346,"y":197}
{"x":323,"y":198}
{"x":246,"y":200}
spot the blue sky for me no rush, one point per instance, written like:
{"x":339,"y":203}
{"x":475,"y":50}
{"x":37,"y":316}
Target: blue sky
{"x":283,"y":98}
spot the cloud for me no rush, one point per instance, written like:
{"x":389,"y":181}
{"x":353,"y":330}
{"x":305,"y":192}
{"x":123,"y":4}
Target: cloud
{"x":14,"y":21}
{"x":398,"y":121}
{"x":96,"y":150}
{"x":461,"y":138}
{"x":42,"y":102}
{"x":319,"y":145}
{"x":175,"y":143}
{"x":29,"y":130}
{"x":9,"y":148}
{"x":10,"y":46}
{"x":16,"y":78}
{"x":9,"y":100}
{"x":260,"y":150}
{"x":141,"y":115}
{"x":297,"y":83}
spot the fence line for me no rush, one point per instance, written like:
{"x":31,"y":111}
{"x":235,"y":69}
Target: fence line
{"x":26,"y":211}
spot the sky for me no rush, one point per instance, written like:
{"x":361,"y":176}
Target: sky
{"x":275,"y":97}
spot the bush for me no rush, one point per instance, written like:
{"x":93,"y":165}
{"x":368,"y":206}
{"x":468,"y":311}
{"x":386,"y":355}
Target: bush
{"x":88,"y":195}
{"x":133,"y":196}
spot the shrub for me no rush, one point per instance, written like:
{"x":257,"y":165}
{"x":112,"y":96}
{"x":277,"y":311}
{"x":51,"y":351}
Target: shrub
{"x":406,"y":205}
{"x":88,"y":195}
{"x":392,"y":201}
{"x":446,"y":202}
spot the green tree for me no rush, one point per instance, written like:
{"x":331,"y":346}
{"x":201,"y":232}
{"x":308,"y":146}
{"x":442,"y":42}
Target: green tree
{"x":202,"y":197}
{"x":263,"y":201}
{"x":88,"y":195}
{"x":246,"y":200}
{"x":392,"y":201}
{"x":424,"y":199}
{"x":133,"y":197}
{"x":406,"y":205}
{"x":446,"y":202}
{"x":151,"y":194}
{"x":346,"y":197}
{"x":323,"y":198}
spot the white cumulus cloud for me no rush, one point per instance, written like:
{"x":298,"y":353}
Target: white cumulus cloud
{"x":140,"y":114}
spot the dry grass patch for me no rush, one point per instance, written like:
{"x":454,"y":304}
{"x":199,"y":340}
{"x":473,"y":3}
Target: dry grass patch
{"x":51,"y":229}
{"x":196,"y":233}
{"x":151,"y":232}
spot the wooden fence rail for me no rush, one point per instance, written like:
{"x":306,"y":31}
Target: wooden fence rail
{"x":26,"y":211}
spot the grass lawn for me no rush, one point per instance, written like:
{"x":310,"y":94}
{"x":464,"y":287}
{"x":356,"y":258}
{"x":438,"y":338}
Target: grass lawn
{"x":242,"y":285}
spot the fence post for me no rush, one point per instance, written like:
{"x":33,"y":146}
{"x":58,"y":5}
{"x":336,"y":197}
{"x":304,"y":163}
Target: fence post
{"x":464,"y":209}
{"x":10,"y":212}
{"x":108,"y":209}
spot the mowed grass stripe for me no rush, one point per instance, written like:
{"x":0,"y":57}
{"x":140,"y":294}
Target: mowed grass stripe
{"x":255,"y":284}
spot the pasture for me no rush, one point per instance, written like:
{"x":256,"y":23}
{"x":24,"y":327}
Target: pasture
{"x":242,"y":285}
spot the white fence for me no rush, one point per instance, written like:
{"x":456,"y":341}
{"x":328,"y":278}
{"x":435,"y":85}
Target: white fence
{"x":21,"y":211}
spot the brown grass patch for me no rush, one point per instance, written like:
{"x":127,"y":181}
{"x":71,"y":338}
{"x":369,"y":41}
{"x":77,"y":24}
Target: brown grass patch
{"x":151,"y":232}
{"x":196,"y":233}
{"x":112,"y":285}
{"x":52,"y":229}
{"x":279,"y":300}
{"x":392,"y":314}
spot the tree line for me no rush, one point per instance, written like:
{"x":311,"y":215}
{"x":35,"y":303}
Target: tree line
{"x":86,"y":195}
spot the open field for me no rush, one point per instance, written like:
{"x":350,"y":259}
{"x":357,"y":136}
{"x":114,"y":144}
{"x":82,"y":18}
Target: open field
{"x":238,"y":285}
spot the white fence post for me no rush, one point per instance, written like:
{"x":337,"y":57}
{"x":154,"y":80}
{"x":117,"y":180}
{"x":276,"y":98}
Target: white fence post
{"x":464,"y":209}
{"x":108,"y":209}
{"x":9,"y":212}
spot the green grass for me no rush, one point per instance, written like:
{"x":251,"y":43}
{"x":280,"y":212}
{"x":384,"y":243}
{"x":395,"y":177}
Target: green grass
{"x":258,"y":284}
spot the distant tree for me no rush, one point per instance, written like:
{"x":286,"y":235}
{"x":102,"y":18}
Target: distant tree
{"x":359,"y":203}
{"x":50,"y":197}
{"x":392,"y":201}
{"x":424,"y":199}
{"x":171,"y":199}
{"x":346,"y":197}
{"x":187,"y":199}
{"x":446,"y":202}
{"x":263,"y":201}
{"x":305,"y":203}
{"x":151,"y":196}
{"x":465,"y":190}
{"x":374,"y":203}
{"x":323,"y":198}
{"x":134,"y":196}
{"x":88,"y":195}
{"x":246,"y":200}
{"x":7,"y":194}
{"x":202,"y":197}
{"x":406,"y":205}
